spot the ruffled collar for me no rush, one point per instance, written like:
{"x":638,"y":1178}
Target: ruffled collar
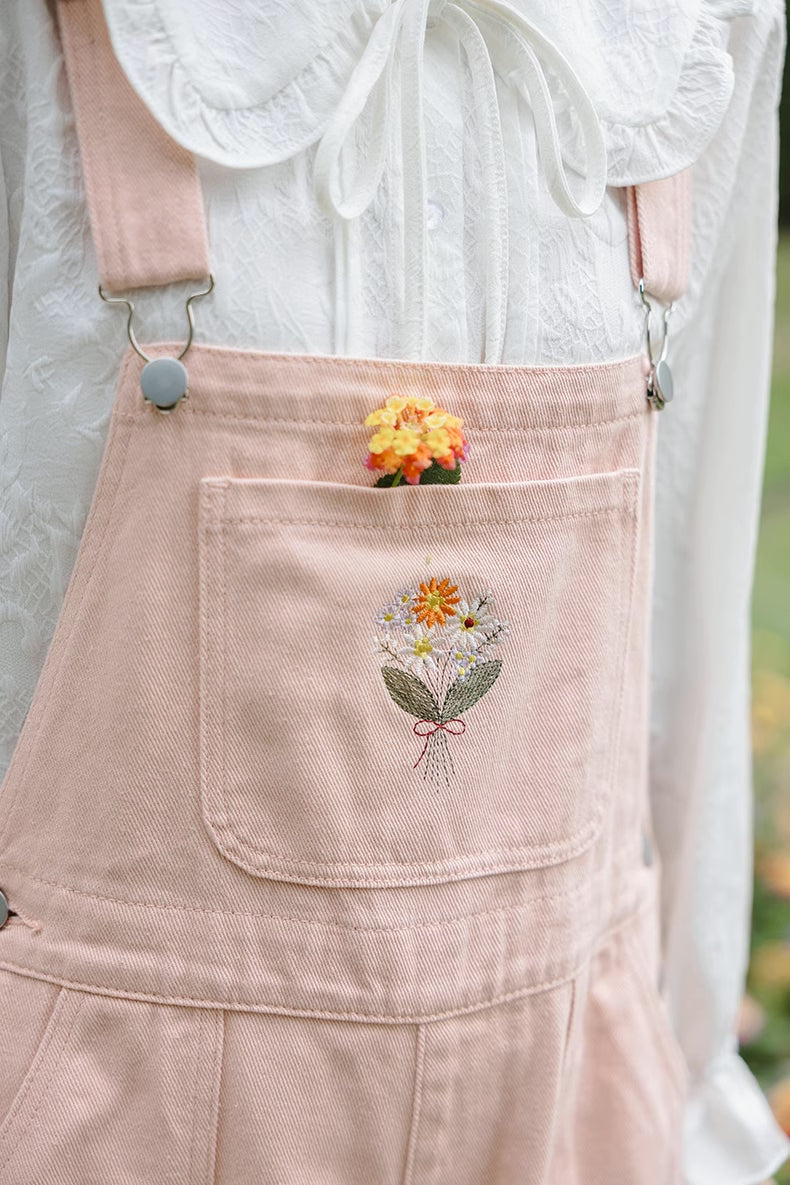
{"x":250,"y":83}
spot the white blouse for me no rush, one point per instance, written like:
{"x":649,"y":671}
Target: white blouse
{"x":385,"y":177}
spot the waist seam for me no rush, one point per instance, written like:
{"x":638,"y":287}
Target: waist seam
{"x":352,"y":1016}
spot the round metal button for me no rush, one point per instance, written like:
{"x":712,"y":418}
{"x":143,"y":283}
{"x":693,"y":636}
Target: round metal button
{"x":647,"y":849}
{"x":3,"y":909}
{"x":164,"y":381}
{"x":664,"y":381}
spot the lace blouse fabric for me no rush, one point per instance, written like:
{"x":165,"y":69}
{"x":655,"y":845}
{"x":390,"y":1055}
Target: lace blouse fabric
{"x":422,"y":179}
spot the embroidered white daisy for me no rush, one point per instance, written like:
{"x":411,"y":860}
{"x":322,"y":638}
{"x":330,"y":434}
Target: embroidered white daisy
{"x":405,"y":598}
{"x":465,"y":640}
{"x":472,"y":624}
{"x":390,"y":617}
{"x":419,"y":651}
{"x":400,"y":611}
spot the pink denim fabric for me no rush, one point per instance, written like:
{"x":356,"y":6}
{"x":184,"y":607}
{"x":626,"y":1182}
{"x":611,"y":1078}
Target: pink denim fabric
{"x":358,"y":974}
{"x":257,"y":935}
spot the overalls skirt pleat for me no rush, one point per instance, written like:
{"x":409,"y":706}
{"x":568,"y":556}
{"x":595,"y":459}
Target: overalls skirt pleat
{"x":288,"y":906}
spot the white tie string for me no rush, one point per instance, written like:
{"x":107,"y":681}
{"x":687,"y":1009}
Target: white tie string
{"x":414,"y":169}
{"x":371,"y":77}
{"x":397,"y":40}
{"x":533,"y":49}
{"x":492,"y":155}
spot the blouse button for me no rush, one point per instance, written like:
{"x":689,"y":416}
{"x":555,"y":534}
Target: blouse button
{"x":647,"y":849}
{"x":434,"y":213}
{"x":3,"y":909}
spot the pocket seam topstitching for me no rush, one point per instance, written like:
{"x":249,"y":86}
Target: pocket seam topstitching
{"x":21,"y":1114}
{"x":244,"y":851}
{"x":660,"y":1023}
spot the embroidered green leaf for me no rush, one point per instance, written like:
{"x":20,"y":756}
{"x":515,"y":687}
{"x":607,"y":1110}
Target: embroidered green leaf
{"x":464,"y":693}
{"x":410,"y":694}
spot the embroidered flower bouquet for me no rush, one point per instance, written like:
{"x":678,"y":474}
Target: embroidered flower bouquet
{"x":415,"y":441}
{"x":437,"y":654}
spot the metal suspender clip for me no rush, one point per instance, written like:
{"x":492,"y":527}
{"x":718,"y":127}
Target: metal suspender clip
{"x":164,"y":381}
{"x":660,"y":386}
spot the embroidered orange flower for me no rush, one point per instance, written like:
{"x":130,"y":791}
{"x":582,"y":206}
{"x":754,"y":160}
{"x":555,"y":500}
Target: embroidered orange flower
{"x":436,"y":602}
{"x":414,"y":436}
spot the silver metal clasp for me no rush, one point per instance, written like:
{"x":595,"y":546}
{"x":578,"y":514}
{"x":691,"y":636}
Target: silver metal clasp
{"x":164,"y":381}
{"x":660,"y":385}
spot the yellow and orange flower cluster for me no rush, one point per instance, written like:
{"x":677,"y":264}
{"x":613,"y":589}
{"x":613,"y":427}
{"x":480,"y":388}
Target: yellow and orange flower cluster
{"x":412,"y":434}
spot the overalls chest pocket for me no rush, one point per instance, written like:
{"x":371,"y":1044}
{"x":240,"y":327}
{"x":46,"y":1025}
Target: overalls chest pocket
{"x":403,"y":687}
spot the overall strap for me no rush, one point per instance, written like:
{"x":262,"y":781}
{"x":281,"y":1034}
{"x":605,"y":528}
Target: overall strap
{"x":136,"y":176}
{"x":659,"y":243}
{"x":659,"y":235}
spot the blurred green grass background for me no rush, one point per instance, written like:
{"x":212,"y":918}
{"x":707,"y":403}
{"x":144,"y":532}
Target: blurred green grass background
{"x":765,"y":1020}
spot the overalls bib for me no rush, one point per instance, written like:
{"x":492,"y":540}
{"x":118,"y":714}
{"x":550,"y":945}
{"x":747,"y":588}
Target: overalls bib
{"x":277,"y":914}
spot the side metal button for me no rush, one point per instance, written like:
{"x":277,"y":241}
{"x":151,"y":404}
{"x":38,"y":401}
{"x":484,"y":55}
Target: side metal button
{"x":3,"y":909}
{"x":164,"y":381}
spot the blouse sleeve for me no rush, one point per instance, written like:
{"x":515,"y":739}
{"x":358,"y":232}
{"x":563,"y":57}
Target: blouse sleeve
{"x":709,"y":469}
{"x":5,"y":276}
{"x":5,"y":230}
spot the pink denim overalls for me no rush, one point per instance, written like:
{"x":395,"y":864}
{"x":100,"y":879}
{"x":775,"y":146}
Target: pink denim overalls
{"x":326,"y":842}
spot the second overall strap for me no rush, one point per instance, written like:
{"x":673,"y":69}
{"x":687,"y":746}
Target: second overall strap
{"x":136,"y":177}
{"x":659,"y":242}
{"x":659,"y":235}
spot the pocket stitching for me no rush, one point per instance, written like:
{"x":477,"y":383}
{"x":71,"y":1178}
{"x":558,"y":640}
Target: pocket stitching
{"x":660,"y":1023}
{"x":21,"y":1114}
{"x":540,"y":854}
{"x":626,"y":609}
{"x":34,"y":1066}
{"x":599,"y":512}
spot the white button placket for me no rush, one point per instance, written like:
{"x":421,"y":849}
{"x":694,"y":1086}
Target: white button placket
{"x":446,"y":285}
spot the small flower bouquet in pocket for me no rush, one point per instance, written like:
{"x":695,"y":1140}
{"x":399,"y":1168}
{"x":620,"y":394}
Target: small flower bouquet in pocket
{"x":416,"y":442}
